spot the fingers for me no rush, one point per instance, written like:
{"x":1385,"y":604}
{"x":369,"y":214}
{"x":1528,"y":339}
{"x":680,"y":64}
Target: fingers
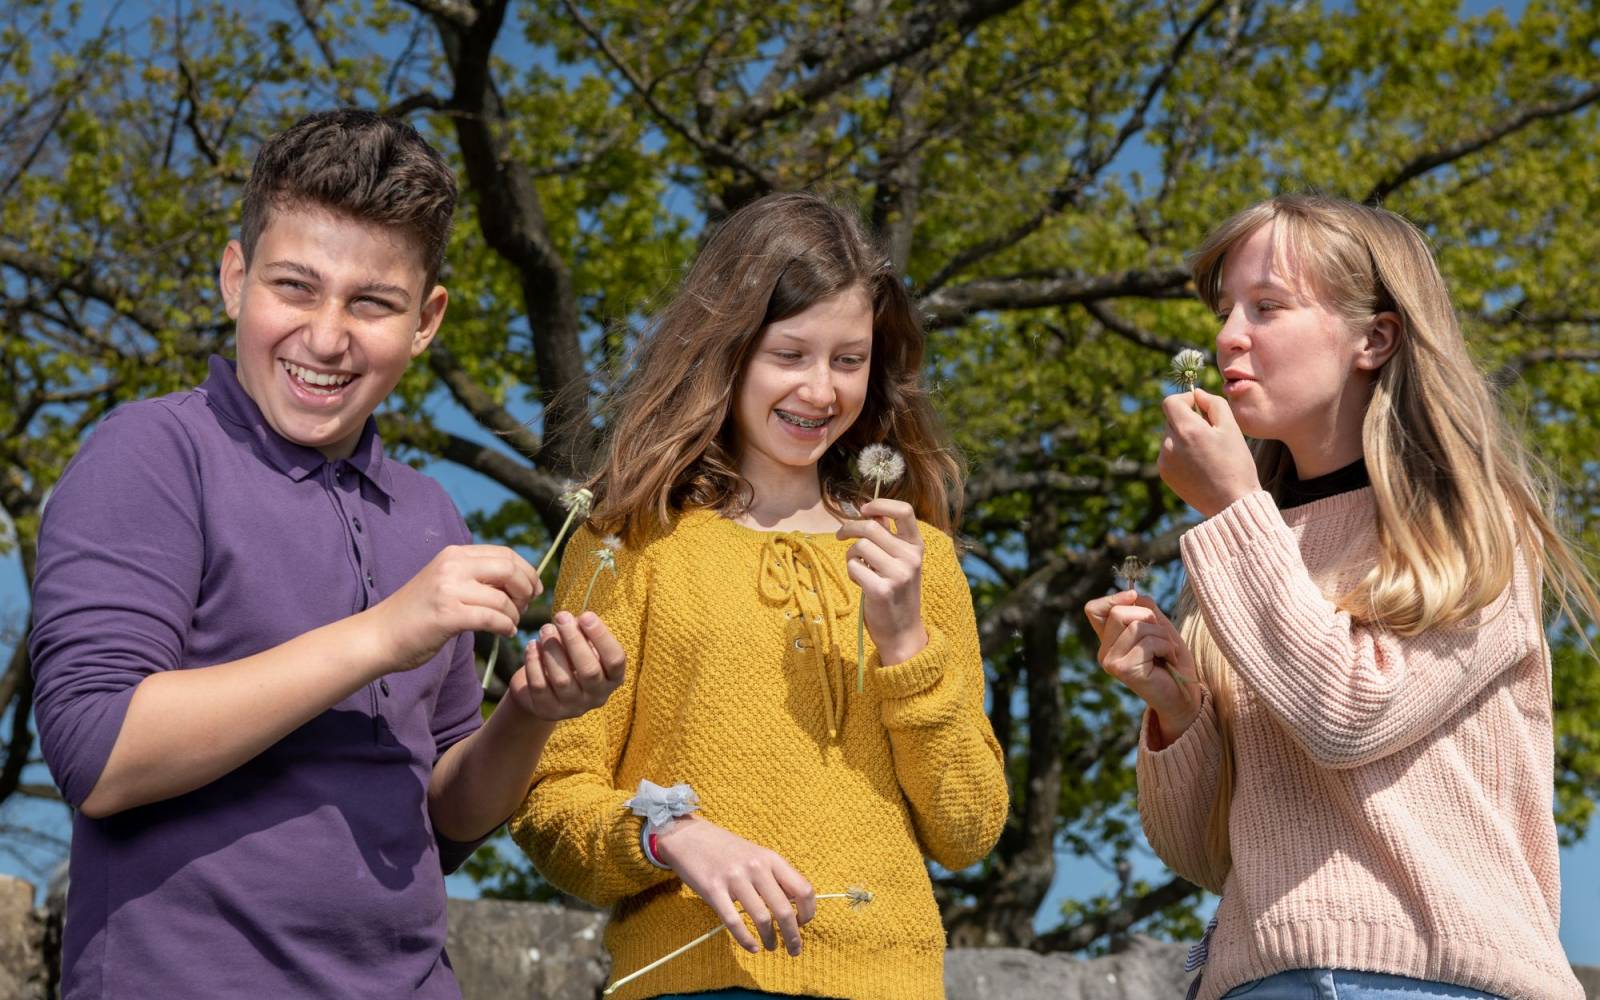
{"x":728,"y":913}
{"x":581,"y":657}
{"x":1214,"y":408}
{"x":798,"y":888}
{"x":1098,"y":610}
{"x":613,"y":658}
{"x":784,"y":920}
{"x":902,"y":514}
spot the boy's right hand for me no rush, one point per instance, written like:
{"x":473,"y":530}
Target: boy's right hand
{"x":723,"y":868}
{"x":465,"y":588}
{"x":1137,"y":646}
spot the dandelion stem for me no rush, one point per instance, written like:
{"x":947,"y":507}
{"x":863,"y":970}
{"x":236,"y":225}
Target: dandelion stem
{"x":589,"y":591}
{"x":857,"y":898}
{"x":571,"y":514}
{"x":861,"y":625}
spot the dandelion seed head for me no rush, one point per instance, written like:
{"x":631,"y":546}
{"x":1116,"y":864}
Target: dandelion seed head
{"x":578,"y":501}
{"x":1132,"y":572}
{"x":607,"y":558}
{"x":881,"y":464}
{"x":612,"y":542}
{"x":859,"y":897}
{"x":1187,"y":365}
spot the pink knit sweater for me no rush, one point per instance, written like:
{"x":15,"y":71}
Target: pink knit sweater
{"x":1392,"y":802}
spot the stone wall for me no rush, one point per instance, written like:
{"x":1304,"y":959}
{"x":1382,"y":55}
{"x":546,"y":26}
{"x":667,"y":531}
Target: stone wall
{"x":541,"y":952}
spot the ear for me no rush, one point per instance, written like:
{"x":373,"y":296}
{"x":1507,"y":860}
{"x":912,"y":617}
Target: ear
{"x":230,"y":278}
{"x":432,"y":316}
{"x":1381,"y":341}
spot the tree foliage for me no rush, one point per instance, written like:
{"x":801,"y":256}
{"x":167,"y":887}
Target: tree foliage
{"x":1038,"y":169}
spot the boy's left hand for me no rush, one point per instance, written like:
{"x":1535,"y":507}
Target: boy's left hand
{"x":572,"y":667}
{"x":887,"y":566}
{"x":1204,"y":457}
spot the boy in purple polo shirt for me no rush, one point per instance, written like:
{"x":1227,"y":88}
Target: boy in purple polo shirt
{"x":252,"y":629}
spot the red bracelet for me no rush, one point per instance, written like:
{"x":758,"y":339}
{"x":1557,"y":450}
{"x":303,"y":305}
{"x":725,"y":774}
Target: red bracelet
{"x":653,"y":855}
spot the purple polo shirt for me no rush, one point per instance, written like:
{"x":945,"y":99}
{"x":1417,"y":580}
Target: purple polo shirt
{"x":186,"y":532}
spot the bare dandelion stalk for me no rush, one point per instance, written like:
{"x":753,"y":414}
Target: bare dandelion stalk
{"x":605,"y":559}
{"x":1132,"y":572}
{"x":857,"y":896}
{"x":882,"y":466}
{"x":577,"y":502}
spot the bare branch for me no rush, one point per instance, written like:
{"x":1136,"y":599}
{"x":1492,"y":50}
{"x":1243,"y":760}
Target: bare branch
{"x":1130,"y":331}
{"x":1520,"y":119}
{"x":1083,"y":934}
{"x":477,"y":402}
{"x":949,"y":306}
{"x":1089,"y":163}
{"x":870,"y":49}
{"x":1514,"y":369}
{"x":995,"y":482}
{"x":538,"y":488}
{"x":462,"y":15}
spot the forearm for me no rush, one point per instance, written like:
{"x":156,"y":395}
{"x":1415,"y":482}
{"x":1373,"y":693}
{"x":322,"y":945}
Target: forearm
{"x":186,"y":728}
{"x":481,"y":780}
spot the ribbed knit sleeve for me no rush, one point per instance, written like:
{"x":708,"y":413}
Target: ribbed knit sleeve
{"x":945,"y":754}
{"x":573,"y":824}
{"x":1348,"y":693}
{"x":1177,"y":785}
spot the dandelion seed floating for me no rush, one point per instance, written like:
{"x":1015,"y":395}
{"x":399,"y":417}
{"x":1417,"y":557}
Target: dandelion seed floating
{"x":882,"y":466}
{"x":858,"y":898}
{"x":577,"y":503}
{"x":605,"y":559}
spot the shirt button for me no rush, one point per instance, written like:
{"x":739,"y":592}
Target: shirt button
{"x":383,"y":686}
{"x":369,"y":580}
{"x":357,"y":522}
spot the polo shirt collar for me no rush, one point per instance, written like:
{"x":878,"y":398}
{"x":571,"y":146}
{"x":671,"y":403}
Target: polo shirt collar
{"x":227,"y":397}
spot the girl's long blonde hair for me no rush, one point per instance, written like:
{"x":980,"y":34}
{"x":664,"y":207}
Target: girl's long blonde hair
{"x":669,"y":444}
{"x":1457,"y":493}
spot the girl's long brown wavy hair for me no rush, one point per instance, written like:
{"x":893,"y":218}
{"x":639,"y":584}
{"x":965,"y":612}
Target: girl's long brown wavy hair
{"x":1458,"y":495}
{"x":669,"y":444}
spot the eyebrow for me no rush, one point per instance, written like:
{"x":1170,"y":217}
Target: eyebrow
{"x":856,"y":344}
{"x":380,"y":287}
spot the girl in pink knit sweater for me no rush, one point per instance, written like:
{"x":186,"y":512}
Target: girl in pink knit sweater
{"x":1350,"y":737}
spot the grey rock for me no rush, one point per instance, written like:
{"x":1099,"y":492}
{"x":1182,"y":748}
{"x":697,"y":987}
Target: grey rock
{"x":1589,"y":976}
{"x":1147,"y":970}
{"x":24,"y":974}
{"x":536,"y":950}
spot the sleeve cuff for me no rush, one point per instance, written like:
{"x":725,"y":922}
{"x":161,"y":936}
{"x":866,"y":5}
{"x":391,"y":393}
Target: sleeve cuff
{"x":1220,"y":539}
{"x":918,"y":674}
{"x":1186,"y":759}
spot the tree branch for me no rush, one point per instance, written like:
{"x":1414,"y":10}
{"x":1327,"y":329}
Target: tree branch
{"x":949,"y":306}
{"x":1521,"y":119}
{"x":1130,"y":331}
{"x":1087,"y":932}
{"x":538,"y":488}
{"x":1512,"y":370}
{"x":462,"y":15}
{"x":475,"y":399}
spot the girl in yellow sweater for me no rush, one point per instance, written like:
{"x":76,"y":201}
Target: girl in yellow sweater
{"x":743,"y":770}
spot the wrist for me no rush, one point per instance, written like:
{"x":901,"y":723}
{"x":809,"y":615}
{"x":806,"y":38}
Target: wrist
{"x":902,"y":648}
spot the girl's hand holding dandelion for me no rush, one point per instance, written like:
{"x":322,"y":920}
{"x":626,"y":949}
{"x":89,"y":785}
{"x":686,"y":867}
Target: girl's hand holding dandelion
{"x":1204,"y":458}
{"x":1141,"y":648}
{"x":732,"y":874}
{"x":886,"y":565}
{"x":573,"y":666}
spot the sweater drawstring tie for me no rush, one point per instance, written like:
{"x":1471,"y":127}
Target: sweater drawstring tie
{"x":795,"y":572}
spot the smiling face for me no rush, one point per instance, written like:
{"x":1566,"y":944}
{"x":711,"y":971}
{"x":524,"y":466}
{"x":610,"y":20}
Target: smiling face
{"x":1294,"y":369}
{"x":328,"y":313}
{"x":803,"y":386}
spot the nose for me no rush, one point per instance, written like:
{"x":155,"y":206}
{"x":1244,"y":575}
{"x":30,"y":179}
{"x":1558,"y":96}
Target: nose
{"x":1234,"y":337}
{"x":817,"y":390}
{"x":327,"y":335}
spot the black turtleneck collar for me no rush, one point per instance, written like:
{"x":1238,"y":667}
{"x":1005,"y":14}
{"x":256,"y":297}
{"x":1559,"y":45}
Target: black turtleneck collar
{"x":1296,"y":491}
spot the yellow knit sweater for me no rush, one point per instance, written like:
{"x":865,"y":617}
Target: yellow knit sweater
{"x":741,"y":652}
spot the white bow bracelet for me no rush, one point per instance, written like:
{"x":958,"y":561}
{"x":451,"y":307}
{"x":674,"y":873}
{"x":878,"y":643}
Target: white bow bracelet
{"x":659,"y":807}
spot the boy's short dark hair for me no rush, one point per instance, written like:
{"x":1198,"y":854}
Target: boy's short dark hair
{"x":361,"y":164}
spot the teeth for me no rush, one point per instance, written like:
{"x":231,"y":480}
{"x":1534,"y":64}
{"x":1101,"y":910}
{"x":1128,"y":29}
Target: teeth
{"x":318,"y":379}
{"x":801,"y":421}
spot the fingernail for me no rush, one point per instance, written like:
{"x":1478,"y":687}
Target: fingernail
{"x":563,"y":617}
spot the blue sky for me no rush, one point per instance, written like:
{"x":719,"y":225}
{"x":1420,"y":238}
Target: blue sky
{"x":1076,"y":877}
